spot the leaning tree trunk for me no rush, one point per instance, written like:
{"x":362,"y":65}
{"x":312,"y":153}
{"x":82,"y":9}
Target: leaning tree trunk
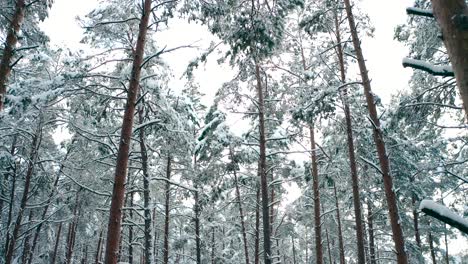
{"x":27,"y":183}
{"x":167,"y":211}
{"x":146,"y":190}
{"x":9,"y":50}
{"x":398,"y":237}
{"x":351,"y":154}
{"x":118,"y":193}
{"x":452,"y":18}
{"x":316,"y":195}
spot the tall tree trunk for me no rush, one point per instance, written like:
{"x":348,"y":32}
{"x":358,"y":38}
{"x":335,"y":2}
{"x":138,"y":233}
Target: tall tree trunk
{"x":316,"y":191}
{"x":57,"y":243}
{"x":416,"y":223}
{"x":257,"y":223}
{"x":146,"y":189}
{"x":197,"y":226}
{"x":167,"y":211}
{"x":447,"y":259}
{"x":6,"y":176}
{"x":27,"y":182}
{"x":452,"y":18}
{"x":72,"y":231}
{"x":340,"y":230}
{"x":351,"y":154}
{"x":241,"y":210}
{"x":98,"y":248}
{"x":27,"y":244}
{"x":398,"y":237}
{"x":130,"y":228}
{"x":263,"y":169}
{"x":118,"y":193}
{"x":9,"y":50}
{"x":370,"y":223}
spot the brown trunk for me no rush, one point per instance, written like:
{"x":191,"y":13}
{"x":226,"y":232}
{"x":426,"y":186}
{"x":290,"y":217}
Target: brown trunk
{"x":146,"y":189}
{"x":257,"y":223}
{"x":352,"y":157}
{"x":118,"y":193}
{"x":398,"y":237}
{"x":27,"y":245}
{"x":452,"y":18}
{"x":315,"y":186}
{"x":340,"y":232}
{"x":27,"y":182}
{"x":263,"y":170}
{"x":98,"y":248}
{"x":9,"y":50}
{"x":370,"y":223}
{"x":431,"y":247}
{"x":167,"y":211}
{"x":241,"y":212}
{"x":57,"y":243}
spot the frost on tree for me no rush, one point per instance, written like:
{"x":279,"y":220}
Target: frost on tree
{"x":444,"y":214}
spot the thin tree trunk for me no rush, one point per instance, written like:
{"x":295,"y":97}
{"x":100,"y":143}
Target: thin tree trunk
{"x":57,"y":243}
{"x":130,"y":228}
{"x":213,"y":245}
{"x":27,"y":244}
{"x":98,"y":248}
{"x":294,"y":250}
{"x":9,"y":50}
{"x":451,"y":17}
{"x":31,"y":164}
{"x":328,"y":245}
{"x":72,"y":230}
{"x":416,"y":223}
{"x":398,"y":237}
{"x":257,"y":223}
{"x":351,"y":154}
{"x":316,"y":191}
{"x":340,"y":230}
{"x":370,"y":223}
{"x":146,"y":189}
{"x":197,"y":226}
{"x":263,"y":170}
{"x":431,"y":247}
{"x":167,"y":211}
{"x":6,"y":178}
{"x":118,"y":193}
{"x":241,"y":211}
{"x":447,"y":260}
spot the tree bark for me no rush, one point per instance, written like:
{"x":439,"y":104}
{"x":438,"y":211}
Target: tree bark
{"x":57,"y":243}
{"x":398,"y":237}
{"x":27,"y":244}
{"x":167,"y":211}
{"x":29,"y":173}
{"x":9,"y":50}
{"x":241,"y":212}
{"x":257,"y":223}
{"x":316,"y":191}
{"x":118,"y":193}
{"x":351,"y":154}
{"x":431,"y":248}
{"x":452,"y":17}
{"x":72,"y":231}
{"x":370,"y":223}
{"x":146,"y":189}
{"x":263,"y":170}
{"x":340,"y":230}
{"x":6,"y":177}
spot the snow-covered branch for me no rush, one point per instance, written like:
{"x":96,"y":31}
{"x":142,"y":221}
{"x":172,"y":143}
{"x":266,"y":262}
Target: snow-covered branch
{"x":444,"y":214}
{"x":445,"y":71}
{"x":419,"y":12}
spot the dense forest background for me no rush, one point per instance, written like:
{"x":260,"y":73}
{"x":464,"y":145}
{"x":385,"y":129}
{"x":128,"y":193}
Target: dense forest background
{"x":193,"y":131}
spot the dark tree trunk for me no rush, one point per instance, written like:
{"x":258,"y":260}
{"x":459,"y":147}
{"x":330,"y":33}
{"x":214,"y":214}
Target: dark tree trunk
{"x":197,"y":226}
{"x":27,"y":182}
{"x":6,"y":177}
{"x":27,"y":244}
{"x":167,"y":211}
{"x":146,"y":189}
{"x":130,"y":227}
{"x":431,"y":248}
{"x":452,"y":18}
{"x":294,"y":250}
{"x":370,"y":223}
{"x":351,"y":154}
{"x":118,"y":193}
{"x":340,"y":230}
{"x":72,"y":231}
{"x":213,"y":245}
{"x":315,"y":183}
{"x":9,"y":50}
{"x":398,"y":237}
{"x":57,"y":243}
{"x":416,"y":223}
{"x":241,"y":211}
{"x":263,"y":170}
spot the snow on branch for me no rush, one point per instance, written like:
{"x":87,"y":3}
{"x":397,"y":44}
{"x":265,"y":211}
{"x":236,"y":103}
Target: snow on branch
{"x":444,"y":214}
{"x":419,"y":12}
{"x":435,"y":70}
